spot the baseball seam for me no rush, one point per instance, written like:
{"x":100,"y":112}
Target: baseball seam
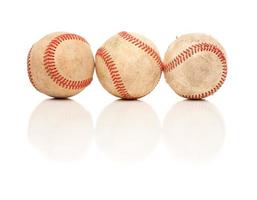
{"x":114,"y":73}
{"x":142,"y":45}
{"x":189,"y":52}
{"x":50,"y":66}
{"x":29,"y":69}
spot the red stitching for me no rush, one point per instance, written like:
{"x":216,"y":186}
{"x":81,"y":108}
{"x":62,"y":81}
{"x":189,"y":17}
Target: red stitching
{"x":29,"y":69}
{"x":116,"y":78}
{"x":189,"y":52}
{"x":140,"y":44}
{"x":50,"y":66}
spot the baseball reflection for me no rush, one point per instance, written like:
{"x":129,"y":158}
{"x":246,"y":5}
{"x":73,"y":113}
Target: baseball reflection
{"x":127,"y":131}
{"x":194,"y":131}
{"x":60,"y":129}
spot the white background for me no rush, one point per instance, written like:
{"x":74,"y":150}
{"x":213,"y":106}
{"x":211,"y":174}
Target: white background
{"x":94,"y":147}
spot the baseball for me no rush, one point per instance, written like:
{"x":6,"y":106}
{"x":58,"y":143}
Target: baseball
{"x":60,"y":64}
{"x":195,"y":66}
{"x":128,"y":65}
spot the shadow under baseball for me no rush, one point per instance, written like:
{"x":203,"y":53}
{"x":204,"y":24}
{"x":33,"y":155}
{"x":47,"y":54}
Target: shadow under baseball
{"x":127,"y":131}
{"x":60,"y":129}
{"x":194,"y":131}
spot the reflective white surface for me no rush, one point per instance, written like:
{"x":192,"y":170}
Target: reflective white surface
{"x":194,"y":131}
{"x":95,"y":148}
{"x":127,"y":131}
{"x":60,"y":129}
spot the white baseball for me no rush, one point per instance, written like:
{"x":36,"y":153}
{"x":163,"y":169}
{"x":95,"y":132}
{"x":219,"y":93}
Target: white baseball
{"x":128,"y":65}
{"x":195,"y":66}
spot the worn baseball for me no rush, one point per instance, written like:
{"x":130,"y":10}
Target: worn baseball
{"x":60,"y":64}
{"x":195,"y":66}
{"x":128,"y":65}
